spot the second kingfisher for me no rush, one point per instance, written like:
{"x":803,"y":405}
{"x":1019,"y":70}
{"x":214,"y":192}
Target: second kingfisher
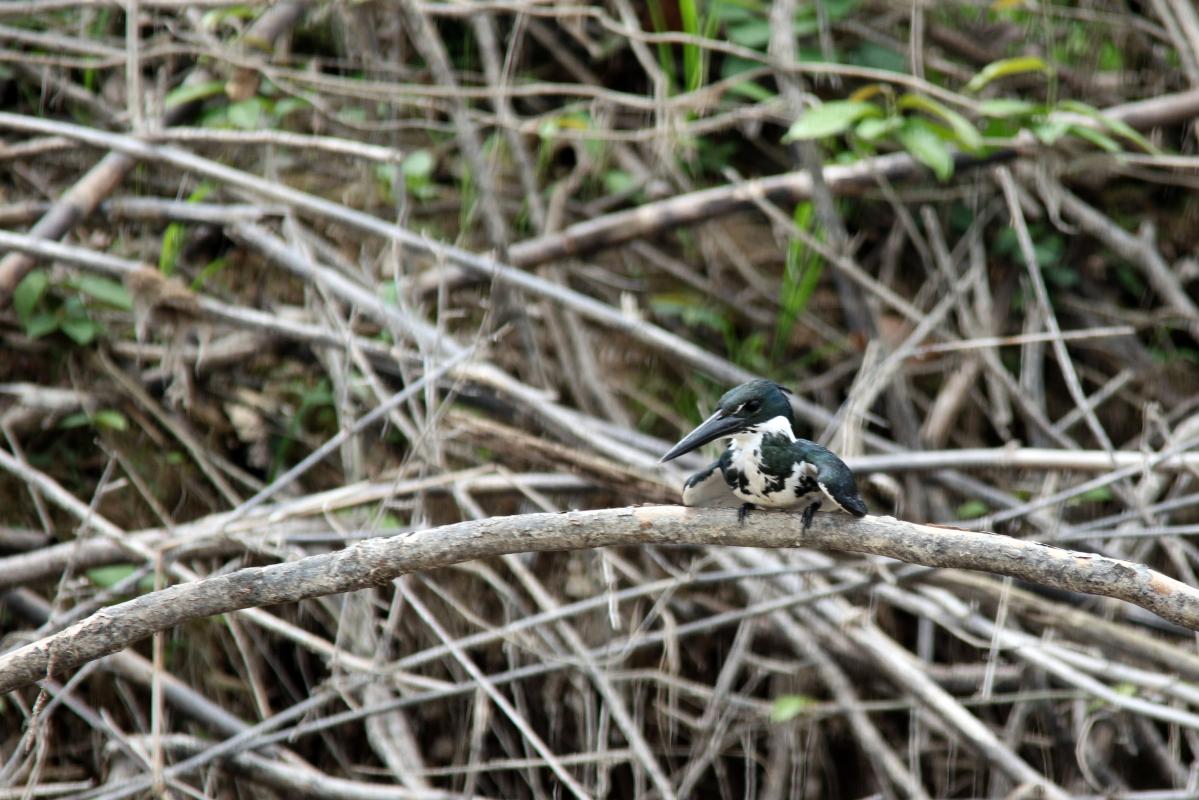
{"x":765,"y":463}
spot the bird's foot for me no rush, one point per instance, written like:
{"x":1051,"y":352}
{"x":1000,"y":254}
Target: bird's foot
{"x":743,"y":512}
{"x":808,"y":513}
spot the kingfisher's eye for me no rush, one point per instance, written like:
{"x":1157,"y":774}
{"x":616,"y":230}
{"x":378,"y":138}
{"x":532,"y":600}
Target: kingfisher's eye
{"x":752,"y":406}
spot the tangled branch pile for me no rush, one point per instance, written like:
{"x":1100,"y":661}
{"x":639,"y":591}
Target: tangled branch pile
{"x":275,"y":278}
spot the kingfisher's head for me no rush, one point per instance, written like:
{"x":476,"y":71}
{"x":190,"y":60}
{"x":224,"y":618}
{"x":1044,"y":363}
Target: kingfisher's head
{"x":742,"y":410}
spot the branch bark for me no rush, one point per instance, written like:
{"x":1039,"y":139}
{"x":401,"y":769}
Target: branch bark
{"x":377,"y":561}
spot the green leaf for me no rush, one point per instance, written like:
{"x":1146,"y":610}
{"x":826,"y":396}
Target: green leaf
{"x":289,"y":105}
{"x":751,"y":91}
{"x":617,"y":181}
{"x":105,"y":290}
{"x":77,"y":420}
{"x":104,"y":418}
{"x":972,"y":509}
{"x":1005,"y":67}
{"x":41,"y":324}
{"x":81,"y":330}
{"x":873,"y":129}
{"x":921,"y":140}
{"x":110,"y":576}
{"x":1100,"y":140}
{"x":417,"y":169}
{"x":352,"y":115}
{"x":247,"y":115}
{"x":789,"y":706}
{"x":869,"y":54}
{"x":753,"y":33}
{"x":111,"y":419}
{"x":1006,"y":107}
{"x":206,"y":274}
{"x":966,"y":134}
{"x":29,"y":293}
{"x":830,"y":119}
{"x":188,"y":93}
{"x":172,"y":247}
{"x":1110,"y":57}
{"x":1116,"y":126}
{"x":1100,"y":494}
{"x":418,"y":164}
{"x":1050,"y":131}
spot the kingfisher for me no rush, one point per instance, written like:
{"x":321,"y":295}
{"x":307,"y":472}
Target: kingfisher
{"x":766,"y":464}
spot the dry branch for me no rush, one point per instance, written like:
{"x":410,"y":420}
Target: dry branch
{"x":108,"y":173}
{"x":376,"y":561}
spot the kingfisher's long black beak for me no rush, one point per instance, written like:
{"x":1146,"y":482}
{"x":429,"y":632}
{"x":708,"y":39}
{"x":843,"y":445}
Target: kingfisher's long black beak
{"x":714,"y":427}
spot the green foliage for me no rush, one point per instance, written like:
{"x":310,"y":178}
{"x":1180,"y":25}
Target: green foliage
{"x":617,"y":181}
{"x":696,"y":312}
{"x":417,"y":171}
{"x":111,"y":575}
{"x":1100,"y":494}
{"x":103,"y":290}
{"x":264,"y":111}
{"x":43,"y":309}
{"x":923,"y":140}
{"x":228,"y":16}
{"x":743,"y":25}
{"x":191,"y":92}
{"x":790,"y":706}
{"x":830,"y":119}
{"x":175,"y":234}
{"x":801,"y":275}
{"x":751,"y":90}
{"x":973,"y":509}
{"x":1111,"y":58}
{"x":29,"y":293}
{"x":1005,"y":68}
{"x":964,"y":133}
{"x":418,"y":168}
{"x":1047,"y":245}
{"x":104,"y":419}
{"x":695,"y":58}
{"x":1116,"y":126}
{"x":314,"y":409}
{"x":665,"y":51}
{"x":211,"y":269}
{"x":930,"y":130}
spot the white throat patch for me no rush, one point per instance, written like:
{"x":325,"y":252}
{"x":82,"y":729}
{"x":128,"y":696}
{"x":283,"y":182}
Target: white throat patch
{"x":778,"y":425}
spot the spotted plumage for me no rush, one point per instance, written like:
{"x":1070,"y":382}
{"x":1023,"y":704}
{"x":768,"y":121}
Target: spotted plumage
{"x":765,"y":464}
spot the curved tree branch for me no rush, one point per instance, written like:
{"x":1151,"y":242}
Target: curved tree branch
{"x":377,"y":561}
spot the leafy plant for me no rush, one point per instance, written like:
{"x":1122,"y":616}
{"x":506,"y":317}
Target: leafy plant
{"x":418,"y":168}
{"x":790,"y":706}
{"x":315,"y":408}
{"x":42,"y":311}
{"x":801,"y":275}
{"x":1004,"y":68}
{"x":104,"y":418}
{"x":262,"y":111}
{"x":175,"y":233}
{"x":930,"y":130}
{"x":749,"y":351}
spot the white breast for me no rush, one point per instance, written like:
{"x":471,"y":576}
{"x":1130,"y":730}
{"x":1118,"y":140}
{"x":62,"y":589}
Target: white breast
{"x":745,"y":454}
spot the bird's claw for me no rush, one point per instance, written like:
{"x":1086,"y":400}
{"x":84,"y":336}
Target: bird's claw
{"x":743,"y":512}
{"x":808,"y":514}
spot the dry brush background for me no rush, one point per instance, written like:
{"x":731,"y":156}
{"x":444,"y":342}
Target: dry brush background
{"x":277,"y":278}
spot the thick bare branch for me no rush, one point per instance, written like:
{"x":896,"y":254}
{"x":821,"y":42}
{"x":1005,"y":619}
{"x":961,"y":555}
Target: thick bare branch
{"x":377,"y":561}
